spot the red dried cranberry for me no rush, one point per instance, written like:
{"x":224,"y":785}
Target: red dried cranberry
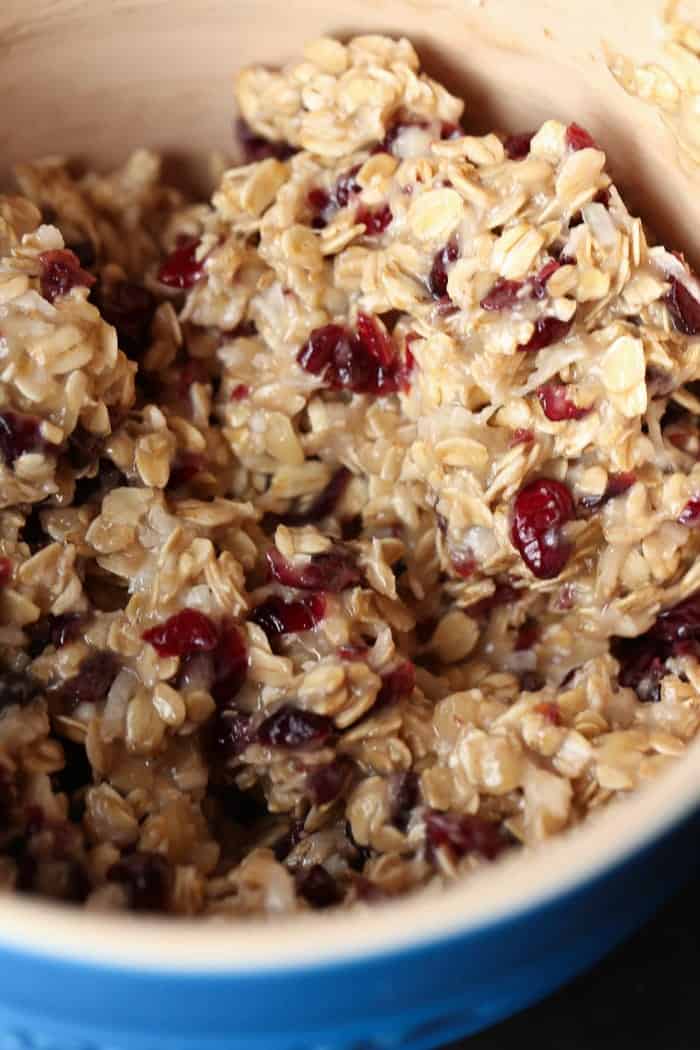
{"x":556,"y":405}
{"x":147,"y":878}
{"x":17,"y":687}
{"x":182,"y":269}
{"x":548,"y":330}
{"x":549,"y":711}
{"x":5,"y":571}
{"x":521,"y":436}
{"x":518,"y":146}
{"x":186,"y":467}
{"x":683,"y":308}
{"x":277,"y":616}
{"x":616,"y":486}
{"x":255,"y":147}
{"x":327,"y":783}
{"x":502,"y":295}
{"x":230,"y":733}
{"x":319,"y":351}
{"x":578,"y":138}
{"x":396,"y":685}
{"x":375,"y":220}
{"x":332,"y":570}
{"x":538,"y":284}
{"x":404,"y":796}
{"x":437,"y":279}
{"x":240,"y":392}
{"x":19,"y":434}
{"x":129,"y":308}
{"x":681,"y":622}
{"x":61,"y":271}
{"x":186,"y":632}
{"x":230,"y":664}
{"x":365,"y":361}
{"x":464,"y":833}
{"x":318,"y":887}
{"x":352,"y":652}
{"x":90,"y":685}
{"x":322,"y":506}
{"x":291,"y":728}
{"x":464,"y":565}
{"x":325,"y":204}
{"x":527,"y":636}
{"x":540,"y":510}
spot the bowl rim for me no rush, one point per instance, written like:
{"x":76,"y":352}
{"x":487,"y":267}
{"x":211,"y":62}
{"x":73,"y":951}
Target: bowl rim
{"x":493,"y":894}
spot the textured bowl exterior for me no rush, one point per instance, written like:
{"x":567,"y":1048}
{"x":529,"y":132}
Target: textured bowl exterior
{"x":418,"y":998}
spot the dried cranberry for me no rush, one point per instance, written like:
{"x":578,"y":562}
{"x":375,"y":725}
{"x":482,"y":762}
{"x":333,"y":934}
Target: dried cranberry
{"x":90,"y":685}
{"x":325,"y":204}
{"x":681,"y":622}
{"x":578,"y":138}
{"x":54,"y":630}
{"x":374,"y":338}
{"x":352,"y":652}
{"x":182,"y":269}
{"x":464,"y":565}
{"x":616,"y":486}
{"x":19,"y":434}
{"x":61,"y":271}
{"x":522,"y":436}
{"x":375,"y":220}
{"x":527,"y":635}
{"x":396,"y":685}
{"x":464,"y":833}
{"x":538,"y":283}
{"x":683,"y":308}
{"x":322,"y":506}
{"x":230,"y":664}
{"x":437,"y":279}
{"x":548,"y":330}
{"x":690,"y":515}
{"x":327,"y":783}
{"x":502,"y":295}
{"x":5,"y":571}
{"x":332,"y":570}
{"x":550,"y":712}
{"x":293,"y":729}
{"x":518,"y":146}
{"x":404,"y":796}
{"x":129,"y":308}
{"x":277,"y":616}
{"x":255,"y":147}
{"x":540,"y":510}
{"x":230,"y":733}
{"x":186,"y":467}
{"x":318,"y":352}
{"x":557,"y":406}
{"x":186,"y":632}
{"x":318,"y":887}
{"x":240,"y":392}
{"x":17,"y":687}
{"x":147,"y":879}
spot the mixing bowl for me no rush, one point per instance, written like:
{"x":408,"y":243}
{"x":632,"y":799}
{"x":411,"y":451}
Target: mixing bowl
{"x":95,"y":79}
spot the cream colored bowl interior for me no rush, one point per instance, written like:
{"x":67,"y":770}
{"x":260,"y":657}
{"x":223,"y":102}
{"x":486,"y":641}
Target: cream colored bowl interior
{"x":96,"y":78}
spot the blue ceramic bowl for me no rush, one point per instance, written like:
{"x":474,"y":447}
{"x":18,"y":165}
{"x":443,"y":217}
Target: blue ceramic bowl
{"x":104,"y":77}
{"x":411,"y":974}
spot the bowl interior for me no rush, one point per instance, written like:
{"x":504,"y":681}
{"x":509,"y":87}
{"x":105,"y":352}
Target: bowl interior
{"x":93,"y":81}
{"x":116,"y":74}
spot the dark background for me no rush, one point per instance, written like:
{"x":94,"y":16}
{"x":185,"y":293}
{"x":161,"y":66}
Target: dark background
{"x":645,"y":996}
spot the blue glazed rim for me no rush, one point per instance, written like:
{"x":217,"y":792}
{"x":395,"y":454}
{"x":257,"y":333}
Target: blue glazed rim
{"x":492,"y":895}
